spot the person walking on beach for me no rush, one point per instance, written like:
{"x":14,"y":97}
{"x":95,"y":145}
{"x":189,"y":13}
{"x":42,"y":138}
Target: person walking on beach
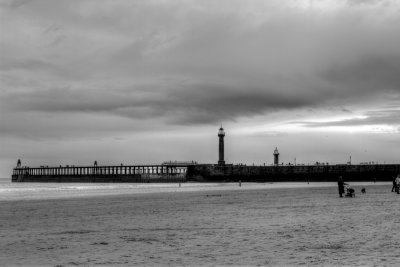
{"x":396,"y":184}
{"x":341,"y":185}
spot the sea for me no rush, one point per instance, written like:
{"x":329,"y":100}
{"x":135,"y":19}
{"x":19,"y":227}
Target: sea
{"x":198,"y":224}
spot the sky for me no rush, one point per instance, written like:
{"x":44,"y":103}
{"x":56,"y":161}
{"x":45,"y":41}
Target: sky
{"x":149,"y":81}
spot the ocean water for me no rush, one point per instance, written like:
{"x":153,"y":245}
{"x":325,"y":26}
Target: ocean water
{"x":287,"y":224}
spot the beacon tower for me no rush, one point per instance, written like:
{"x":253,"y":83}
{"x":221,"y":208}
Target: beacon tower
{"x":276,"y":157}
{"x":221,"y":135}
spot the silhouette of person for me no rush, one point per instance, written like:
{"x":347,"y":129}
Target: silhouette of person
{"x":396,"y":184}
{"x":341,"y":185}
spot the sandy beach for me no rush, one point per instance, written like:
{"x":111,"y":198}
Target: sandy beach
{"x":264,"y":226}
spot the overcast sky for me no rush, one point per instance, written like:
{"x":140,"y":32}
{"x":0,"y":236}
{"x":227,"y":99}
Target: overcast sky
{"x":149,"y":81}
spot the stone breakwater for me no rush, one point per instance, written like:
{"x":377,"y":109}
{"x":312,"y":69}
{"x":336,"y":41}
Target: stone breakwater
{"x":298,"y":173}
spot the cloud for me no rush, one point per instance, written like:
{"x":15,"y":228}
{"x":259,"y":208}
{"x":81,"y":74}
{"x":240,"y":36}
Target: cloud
{"x":368,"y":74}
{"x":196,"y":63}
{"x":366,"y":2}
{"x":25,"y":64}
{"x":77,"y":77}
{"x":371,"y":118}
{"x":16,"y":3}
{"x":199,"y":104}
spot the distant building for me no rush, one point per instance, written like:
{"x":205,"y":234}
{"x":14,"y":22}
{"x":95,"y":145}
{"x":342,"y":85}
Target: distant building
{"x":276,"y":157}
{"x":221,"y":135}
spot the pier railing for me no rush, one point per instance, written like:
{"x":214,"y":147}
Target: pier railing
{"x":100,"y":170}
{"x":135,"y":173}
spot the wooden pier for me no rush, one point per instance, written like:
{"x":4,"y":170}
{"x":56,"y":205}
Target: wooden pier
{"x":171,"y":171}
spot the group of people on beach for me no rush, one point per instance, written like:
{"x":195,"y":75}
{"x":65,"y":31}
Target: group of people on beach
{"x":350,"y":192}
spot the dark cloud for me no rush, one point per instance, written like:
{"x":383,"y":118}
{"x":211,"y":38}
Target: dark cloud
{"x":367,"y":74}
{"x":187,"y":104}
{"x":38,"y":126}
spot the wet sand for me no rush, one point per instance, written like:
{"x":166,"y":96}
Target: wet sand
{"x":308,"y":226}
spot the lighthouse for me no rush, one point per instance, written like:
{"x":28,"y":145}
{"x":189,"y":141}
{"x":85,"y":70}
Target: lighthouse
{"x":221,"y":135}
{"x":276,"y":157}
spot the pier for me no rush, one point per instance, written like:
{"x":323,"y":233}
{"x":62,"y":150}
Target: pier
{"x":169,"y":171}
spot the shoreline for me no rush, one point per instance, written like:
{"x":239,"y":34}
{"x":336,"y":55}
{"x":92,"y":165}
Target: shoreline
{"x":44,"y":191}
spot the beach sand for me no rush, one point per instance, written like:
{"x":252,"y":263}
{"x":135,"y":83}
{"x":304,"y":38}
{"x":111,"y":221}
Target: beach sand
{"x":278,"y":226}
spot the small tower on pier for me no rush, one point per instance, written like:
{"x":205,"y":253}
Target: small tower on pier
{"x":221,"y":135}
{"x":19,"y":163}
{"x":276,"y":157}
